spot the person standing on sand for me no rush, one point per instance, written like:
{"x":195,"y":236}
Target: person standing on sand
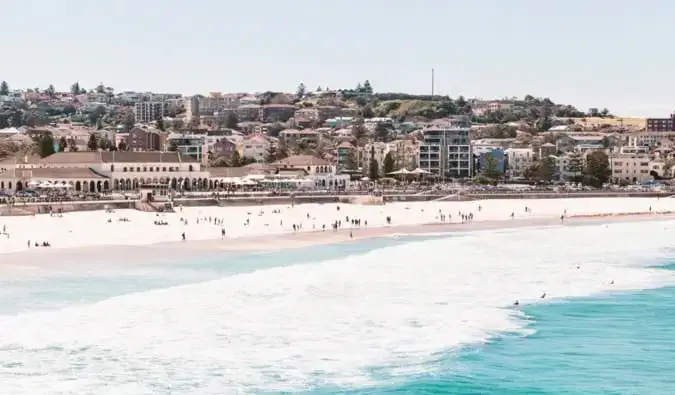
{"x":183,"y":236}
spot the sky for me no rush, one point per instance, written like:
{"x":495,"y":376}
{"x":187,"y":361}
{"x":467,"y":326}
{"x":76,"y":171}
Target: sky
{"x":593,"y":53}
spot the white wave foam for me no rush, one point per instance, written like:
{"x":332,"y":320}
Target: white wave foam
{"x":327,"y":323}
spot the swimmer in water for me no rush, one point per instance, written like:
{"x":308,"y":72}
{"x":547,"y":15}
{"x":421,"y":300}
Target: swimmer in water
{"x":516,"y":303}
{"x":543,"y":296}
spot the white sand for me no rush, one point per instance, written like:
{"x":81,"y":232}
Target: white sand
{"x":91,"y":228}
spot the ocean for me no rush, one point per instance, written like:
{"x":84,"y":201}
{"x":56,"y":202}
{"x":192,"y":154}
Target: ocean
{"x":430,"y":314}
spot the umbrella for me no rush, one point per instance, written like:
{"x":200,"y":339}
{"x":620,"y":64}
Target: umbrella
{"x":402,"y":171}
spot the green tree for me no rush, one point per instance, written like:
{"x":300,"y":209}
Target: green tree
{"x":367,"y":88}
{"x":75,"y":88}
{"x":100,"y":88}
{"x":17,"y":118}
{"x":129,"y":121}
{"x":490,"y":168}
{"x":231,"y":121}
{"x":63,"y":144}
{"x":177,"y":124}
{"x":271,"y":154}
{"x":546,"y":169}
{"x":50,"y":91}
{"x":122,"y":146}
{"x":92,"y":144}
{"x":4,"y":121}
{"x":235,"y":160}
{"x":373,"y":166}
{"x":4,"y":88}
{"x":96,"y":115}
{"x":359,"y":130}
{"x":350,"y":163}
{"x":597,"y":171}
{"x":300,"y":92}
{"x":575,"y":167}
{"x":46,"y":145}
{"x":367,"y":112}
{"x":389,"y":163}
{"x":160,"y":123}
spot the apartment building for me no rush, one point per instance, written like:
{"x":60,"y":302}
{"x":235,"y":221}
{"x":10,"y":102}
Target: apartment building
{"x":255,"y":147}
{"x":293,"y":137}
{"x":445,"y":149}
{"x":146,"y":112}
{"x":141,"y":139}
{"x":518,"y":160}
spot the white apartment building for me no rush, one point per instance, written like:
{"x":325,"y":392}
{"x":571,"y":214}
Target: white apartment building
{"x":149,"y":111}
{"x":518,"y":160}
{"x":632,"y":168}
{"x":254,"y":147}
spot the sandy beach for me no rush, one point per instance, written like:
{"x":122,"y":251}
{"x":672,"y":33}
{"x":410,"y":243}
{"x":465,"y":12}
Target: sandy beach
{"x":102,"y":236}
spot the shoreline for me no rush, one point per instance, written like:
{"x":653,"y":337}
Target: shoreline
{"x":204,"y":249}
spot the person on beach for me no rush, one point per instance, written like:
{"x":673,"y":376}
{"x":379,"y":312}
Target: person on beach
{"x":183,"y":236}
{"x":222,"y":233}
{"x":562,"y":218}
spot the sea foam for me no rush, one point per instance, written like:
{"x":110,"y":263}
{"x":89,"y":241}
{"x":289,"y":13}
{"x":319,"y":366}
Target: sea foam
{"x":330,"y":323}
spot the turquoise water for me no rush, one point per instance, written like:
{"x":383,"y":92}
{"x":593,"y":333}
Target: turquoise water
{"x":614,"y":344}
{"x":620,"y":343}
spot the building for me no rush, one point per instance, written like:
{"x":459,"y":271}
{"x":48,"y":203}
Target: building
{"x":108,"y":170}
{"x":248,"y":112}
{"x":661,"y":124}
{"x":276,"y":112}
{"x":146,"y":112}
{"x":445,"y":150}
{"x":189,"y":145}
{"x":293,"y":137}
{"x":143,"y":139}
{"x":498,"y":154}
{"x":518,"y":160}
{"x":346,"y":156}
{"x":323,"y":173}
{"x":631,"y":168}
{"x":255,"y":147}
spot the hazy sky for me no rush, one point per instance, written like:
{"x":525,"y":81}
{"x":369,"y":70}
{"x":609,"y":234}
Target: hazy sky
{"x":592,"y":53}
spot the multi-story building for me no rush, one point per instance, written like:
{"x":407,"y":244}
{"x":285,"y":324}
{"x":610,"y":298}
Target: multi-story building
{"x":145,"y":112}
{"x":276,"y":112}
{"x":142,"y":139}
{"x":497,"y":153}
{"x":292,"y":136}
{"x":248,"y":112}
{"x":661,"y":124}
{"x":255,"y":147}
{"x":346,"y":156}
{"x":445,"y":149}
{"x":190,"y":145}
{"x":518,"y":160}
{"x":630,"y":168}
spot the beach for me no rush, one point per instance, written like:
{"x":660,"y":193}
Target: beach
{"x":272,"y":227}
{"x":130,"y":308}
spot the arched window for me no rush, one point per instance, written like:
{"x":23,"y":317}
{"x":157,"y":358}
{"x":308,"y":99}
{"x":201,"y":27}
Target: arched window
{"x":146,"y":169}
{"x":190,"y":167}
{"x":112,"y":168}
{"x":164,"y":169}
{"x":151,"y":169}
{"x":124,"y":169}
{"x":138,"y":169}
